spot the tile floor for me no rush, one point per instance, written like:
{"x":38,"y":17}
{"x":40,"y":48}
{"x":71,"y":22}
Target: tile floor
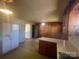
{"x":29,"y":50}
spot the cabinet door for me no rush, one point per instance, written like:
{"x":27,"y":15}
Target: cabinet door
{"x":15,"y":35}
{"x":6,"y":41}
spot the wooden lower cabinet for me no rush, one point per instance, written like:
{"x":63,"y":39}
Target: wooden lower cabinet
{"x":48,"y":49}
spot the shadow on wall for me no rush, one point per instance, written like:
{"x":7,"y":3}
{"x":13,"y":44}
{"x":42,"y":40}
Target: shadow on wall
{"x":61,"y":6}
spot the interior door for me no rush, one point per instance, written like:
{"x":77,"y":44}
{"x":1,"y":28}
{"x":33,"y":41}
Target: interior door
{"x":6,"y":41}
{"x":15,"y":35}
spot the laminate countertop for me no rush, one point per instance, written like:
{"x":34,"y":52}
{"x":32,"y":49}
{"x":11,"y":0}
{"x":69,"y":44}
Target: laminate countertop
{"x":51,"y":39}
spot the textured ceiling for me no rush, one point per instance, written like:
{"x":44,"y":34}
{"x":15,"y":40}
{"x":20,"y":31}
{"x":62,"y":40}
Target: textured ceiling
{"x":39,"y":10}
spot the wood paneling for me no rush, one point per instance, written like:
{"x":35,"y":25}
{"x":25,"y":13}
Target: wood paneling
{"x":53,"y":29}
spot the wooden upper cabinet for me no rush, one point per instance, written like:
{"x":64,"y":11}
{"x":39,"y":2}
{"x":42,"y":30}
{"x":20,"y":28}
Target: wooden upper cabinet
{"x":52,"y":29}
{"x":44,"y":30}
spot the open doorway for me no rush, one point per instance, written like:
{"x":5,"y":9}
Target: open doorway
{"x":28,"y":33}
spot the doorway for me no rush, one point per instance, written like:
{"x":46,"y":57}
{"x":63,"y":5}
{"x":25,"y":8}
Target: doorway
{"x":28,"y":31}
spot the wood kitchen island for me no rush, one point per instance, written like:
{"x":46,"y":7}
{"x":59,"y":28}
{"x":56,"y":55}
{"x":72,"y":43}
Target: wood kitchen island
{"x":52,"y":48}
{"x":48,"y":47}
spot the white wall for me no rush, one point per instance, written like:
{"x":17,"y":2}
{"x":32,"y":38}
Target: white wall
{"x":0,"y":39}
{"x":74,"y":40}
{"x":22,"y":32}
{"x":74,"y":28}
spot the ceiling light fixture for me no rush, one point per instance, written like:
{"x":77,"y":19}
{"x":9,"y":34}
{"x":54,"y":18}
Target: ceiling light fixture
{"x":8,"y":1}
{"x":6,"y":11}
{"x":43,"y":24}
